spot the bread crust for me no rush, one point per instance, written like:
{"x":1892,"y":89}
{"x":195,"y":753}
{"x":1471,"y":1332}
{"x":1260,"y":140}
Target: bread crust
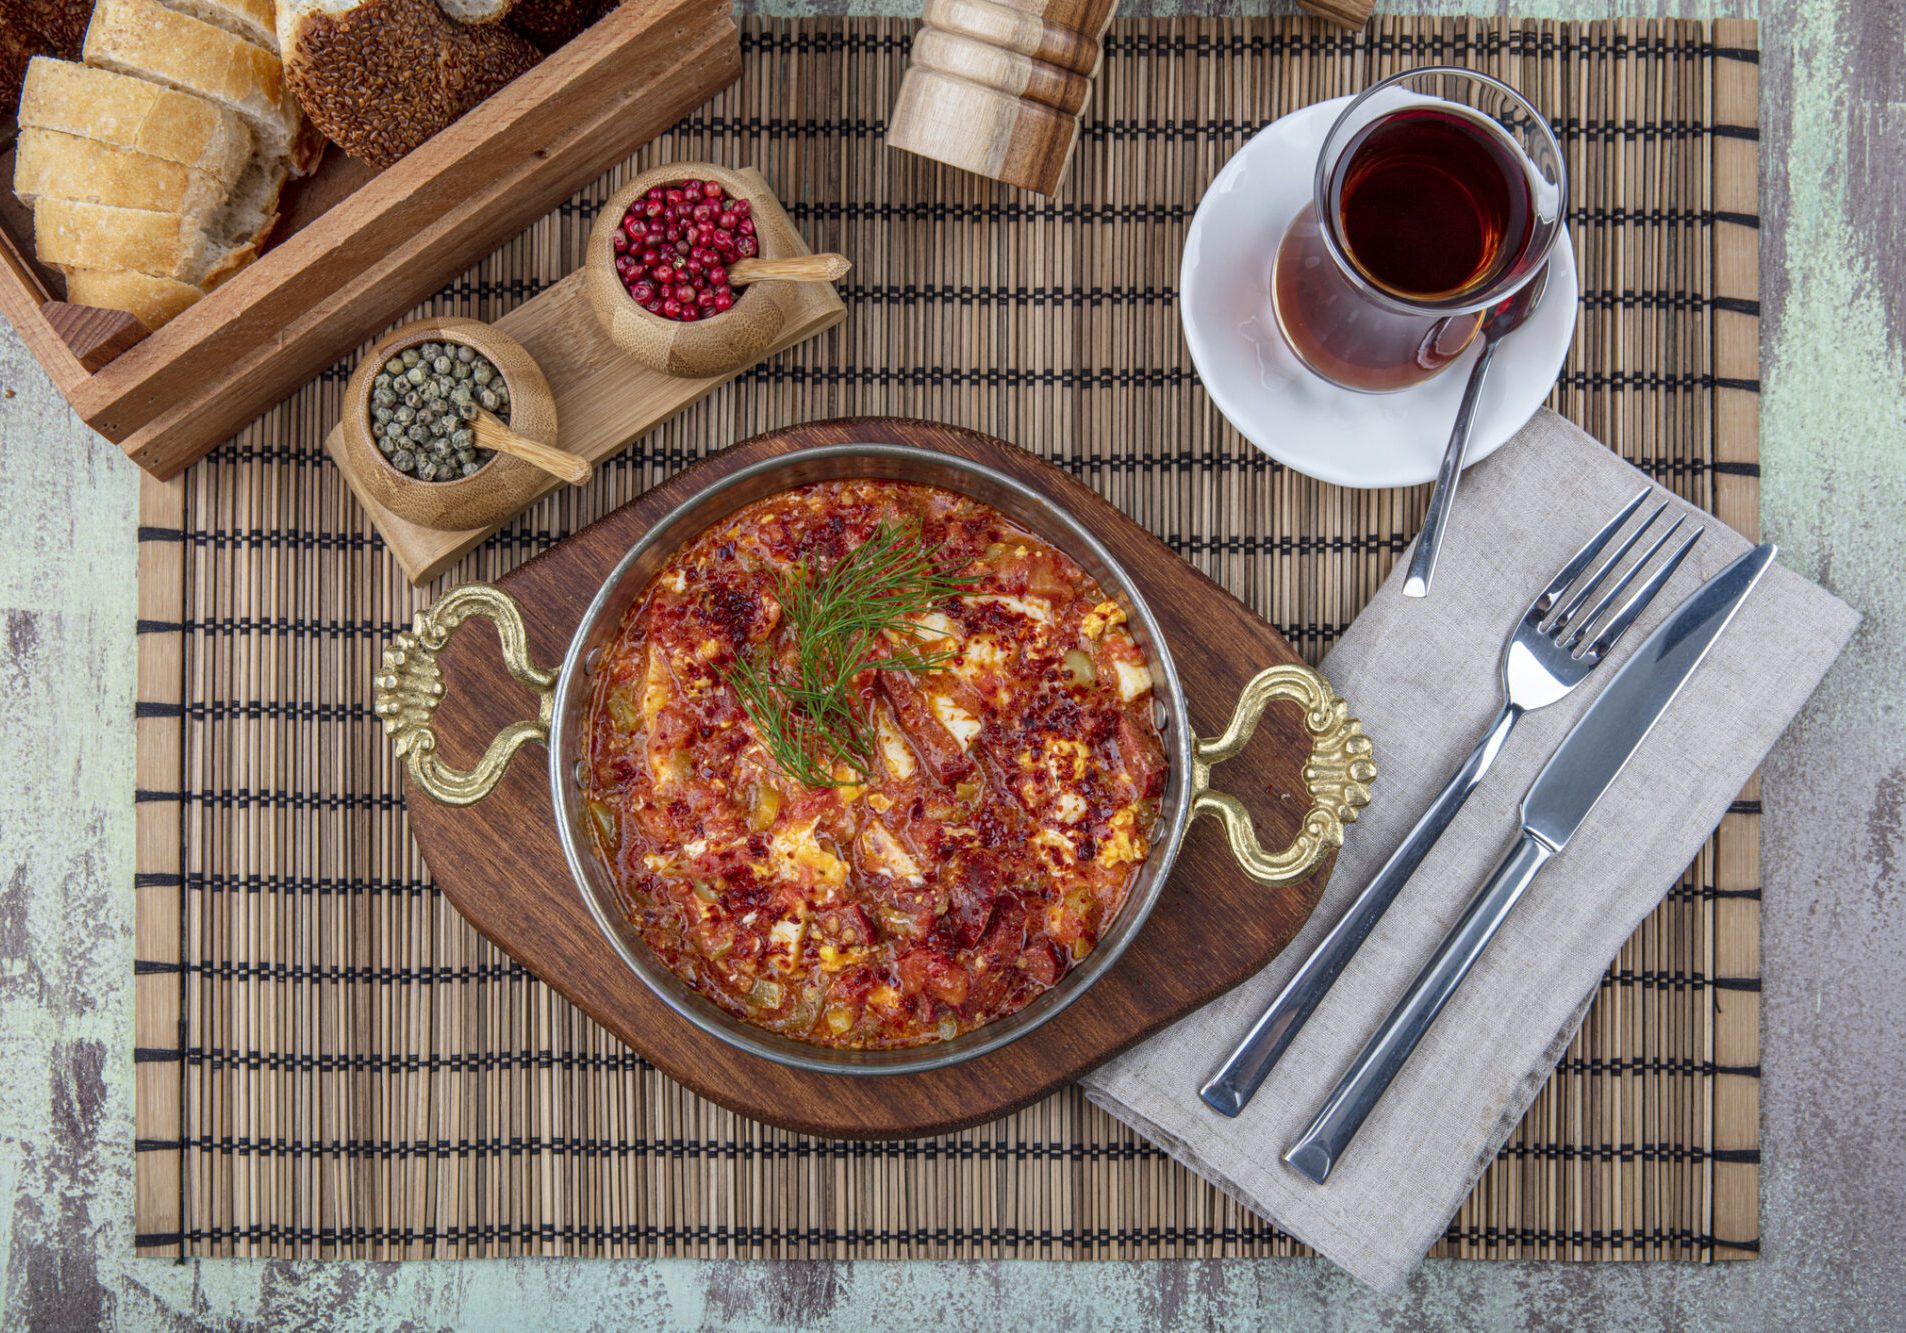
{"x":130,"y":113}
{"x":256,"y":21}
{"x":382,"y":77}
{"x":143,"y":37}
{"x":70,"y":234}
{"x":64,"y":166}
{"x":150,"y":300}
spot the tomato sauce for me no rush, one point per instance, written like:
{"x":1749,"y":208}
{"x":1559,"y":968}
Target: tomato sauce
{"x":969,"y":867}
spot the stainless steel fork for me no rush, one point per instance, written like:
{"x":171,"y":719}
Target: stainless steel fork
{"x":1548,"y":654}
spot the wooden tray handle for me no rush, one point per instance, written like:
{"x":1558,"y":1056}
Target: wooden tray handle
{"x":1338,"y":774}
{"x":409,"y":686}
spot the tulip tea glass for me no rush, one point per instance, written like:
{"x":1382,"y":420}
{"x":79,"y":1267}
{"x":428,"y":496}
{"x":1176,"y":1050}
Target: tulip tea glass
{"x":1439,"y":193}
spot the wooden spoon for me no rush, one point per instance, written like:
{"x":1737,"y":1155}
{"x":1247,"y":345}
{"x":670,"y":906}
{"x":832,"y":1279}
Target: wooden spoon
{"x":802,"y":268}
{"x":491,"y":433}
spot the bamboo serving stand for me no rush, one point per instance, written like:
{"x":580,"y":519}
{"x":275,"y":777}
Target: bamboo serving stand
{"x":604,"y":398}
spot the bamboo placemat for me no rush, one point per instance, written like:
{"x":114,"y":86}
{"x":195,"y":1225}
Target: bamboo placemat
{"x":331,"y":1063}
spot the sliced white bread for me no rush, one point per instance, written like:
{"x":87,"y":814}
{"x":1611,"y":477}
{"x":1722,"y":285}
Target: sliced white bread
{"x":69,"y":234}
{"x":65,"y":166}
{"x":240,"y":229}
{"x":130,"y":113}
{"x":144,"y":39}
{"x":150,"y":300}
{"x":381,"y":76}
{"x":254,"y":20}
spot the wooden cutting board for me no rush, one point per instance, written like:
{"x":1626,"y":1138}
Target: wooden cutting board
{"x":500,"y":862}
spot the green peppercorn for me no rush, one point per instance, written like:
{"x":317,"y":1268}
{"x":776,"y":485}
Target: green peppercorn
{"x":422,"y":402}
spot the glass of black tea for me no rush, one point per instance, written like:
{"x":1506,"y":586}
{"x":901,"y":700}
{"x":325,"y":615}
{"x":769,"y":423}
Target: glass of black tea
{"x":1439,"y":193}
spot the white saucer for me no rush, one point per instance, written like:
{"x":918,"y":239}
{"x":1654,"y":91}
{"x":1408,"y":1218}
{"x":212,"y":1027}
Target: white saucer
{"x":1298,"y":418}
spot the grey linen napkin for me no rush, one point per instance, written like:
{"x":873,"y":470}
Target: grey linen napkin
{"x":1422,"y":675}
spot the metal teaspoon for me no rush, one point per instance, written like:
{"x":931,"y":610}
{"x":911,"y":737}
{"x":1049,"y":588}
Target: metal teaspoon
{"x":1498,"y":323}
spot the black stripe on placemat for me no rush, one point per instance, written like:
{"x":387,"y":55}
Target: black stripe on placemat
{"x":1218,"y":461}
{"x":1017,"y":211}
{"x":1744,"y":808}
{"x":469,"y":289}
{"x":1616,"y":1066}
{"x":157,"y":879}
{"x":842,"y":1150}
{"x":142,"y":708}
{"x":706,"y":1233}
{"x":1087,"y":297}
{"x":299,"y":886}
{"x":1687,"y":1154}
{"x":155,"y":626}
{"x":253,"y":710}
{"x":352,"y":974}
{"x":239,"y":798}
{"x":1671,"y":979}
{"x":295,"y":539}
{"x":1618,"y":1238}
{"x":675,"y":1149}
{"x":472,"y":1062}
{"x":1121,"y":45}
{"x":1710,"y":893}
{"x":1567,"y":129}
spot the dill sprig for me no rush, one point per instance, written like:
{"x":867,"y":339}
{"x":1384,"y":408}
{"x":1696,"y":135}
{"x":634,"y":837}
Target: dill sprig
{"x":804,"y":707}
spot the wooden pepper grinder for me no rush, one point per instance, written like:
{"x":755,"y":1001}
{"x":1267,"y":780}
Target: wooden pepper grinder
{"x":996,"y":86}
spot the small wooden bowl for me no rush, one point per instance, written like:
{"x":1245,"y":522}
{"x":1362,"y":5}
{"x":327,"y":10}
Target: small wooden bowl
{"x":717,"y":345}
{"x":494,"y":491}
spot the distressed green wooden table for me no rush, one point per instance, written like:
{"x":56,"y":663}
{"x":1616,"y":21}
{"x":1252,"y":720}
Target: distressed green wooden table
{"x":1834,"y":495}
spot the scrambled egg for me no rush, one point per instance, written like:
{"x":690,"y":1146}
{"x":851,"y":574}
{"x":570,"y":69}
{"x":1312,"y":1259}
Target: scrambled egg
{"x":1101,"y":618}
{"x":795,"y":853}
{"x":1125,"y":844}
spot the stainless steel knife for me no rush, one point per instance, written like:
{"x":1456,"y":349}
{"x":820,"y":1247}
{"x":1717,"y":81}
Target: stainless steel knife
{"x":1583,"y":766}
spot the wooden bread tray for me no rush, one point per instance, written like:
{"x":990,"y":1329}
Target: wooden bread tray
{"x":500,"y":862}
{"x":355,"y":249}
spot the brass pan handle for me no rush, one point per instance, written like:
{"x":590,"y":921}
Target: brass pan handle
{"x":1337,"y":775}
{"x":409,"y":686}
